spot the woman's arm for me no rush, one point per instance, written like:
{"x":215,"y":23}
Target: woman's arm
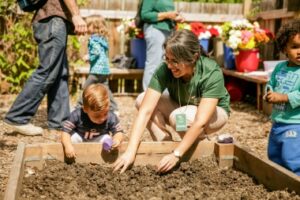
{"x":146,"y":109}
{"x":205,"y":111}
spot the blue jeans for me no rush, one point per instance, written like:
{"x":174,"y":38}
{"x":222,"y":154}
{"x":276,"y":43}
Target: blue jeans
{"x":51,"y":77}
{"x":284,"y":146}
{"x":155,"y":39}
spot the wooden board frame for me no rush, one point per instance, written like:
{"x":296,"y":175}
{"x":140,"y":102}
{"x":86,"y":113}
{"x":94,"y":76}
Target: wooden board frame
{"x":273,"y":176}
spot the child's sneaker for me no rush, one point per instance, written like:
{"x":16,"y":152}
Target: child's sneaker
{"x":26,"y":129}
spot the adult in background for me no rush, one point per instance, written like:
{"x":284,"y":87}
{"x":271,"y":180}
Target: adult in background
{"x":159,"y":17}
{"x":51,"y":25}
{"x":197,"y":103}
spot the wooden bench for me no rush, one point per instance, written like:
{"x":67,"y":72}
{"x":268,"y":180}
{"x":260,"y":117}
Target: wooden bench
{"x":260,"y":82}
{"x":121,"y":81}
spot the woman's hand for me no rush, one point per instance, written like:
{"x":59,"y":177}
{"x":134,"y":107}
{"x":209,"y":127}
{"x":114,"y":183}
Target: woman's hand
{"x":179,"y":18}
{"x":167,"y":163}
{"x":70,"y":151}
{"x":124,"y":161}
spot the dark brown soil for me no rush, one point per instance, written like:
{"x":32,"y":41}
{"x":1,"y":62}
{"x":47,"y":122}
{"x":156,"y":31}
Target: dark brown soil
{"x":200,"y":179}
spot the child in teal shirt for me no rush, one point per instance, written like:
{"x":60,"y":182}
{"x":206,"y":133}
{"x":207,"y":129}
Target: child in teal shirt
{"x":284,"y":93}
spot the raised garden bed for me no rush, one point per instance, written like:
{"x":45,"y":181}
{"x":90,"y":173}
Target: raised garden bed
{"x":201,"y":178}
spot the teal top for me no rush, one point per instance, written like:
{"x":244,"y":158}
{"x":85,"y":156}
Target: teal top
{"x":207,"y":82}
{"x":98,"y":55}
{"x":286,"y":80}
{"x":150,"y":10}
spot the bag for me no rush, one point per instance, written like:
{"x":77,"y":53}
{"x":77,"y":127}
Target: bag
{"x":31,"y":5}
{"x":124,"y":62}
{"x":137,"y":19}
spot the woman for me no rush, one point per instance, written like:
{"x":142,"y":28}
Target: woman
{"x":159,"y":17}
{"x":197,"y":103}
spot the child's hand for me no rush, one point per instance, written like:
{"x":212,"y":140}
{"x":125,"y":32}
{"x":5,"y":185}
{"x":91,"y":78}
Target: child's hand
{"x":116,"y":143}
{"x":274,"y":97}
{"x":70,"y":151}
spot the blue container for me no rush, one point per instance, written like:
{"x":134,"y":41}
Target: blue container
{"x":138,"y":51}
{"x":205,"y":44}
{"x":229,"y":59}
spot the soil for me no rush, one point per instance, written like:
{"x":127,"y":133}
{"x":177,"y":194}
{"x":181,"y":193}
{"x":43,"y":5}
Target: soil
{"x":248,"y":126}
{"x":200,"y":179}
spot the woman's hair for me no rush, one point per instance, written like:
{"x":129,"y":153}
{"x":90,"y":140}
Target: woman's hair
{"x":96,"y":25}
{"x":287,"y":31}
{"x":183,"y":45}
{"x":95,"y":97}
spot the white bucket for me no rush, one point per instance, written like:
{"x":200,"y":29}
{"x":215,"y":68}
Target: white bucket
{"x":269,"y":65}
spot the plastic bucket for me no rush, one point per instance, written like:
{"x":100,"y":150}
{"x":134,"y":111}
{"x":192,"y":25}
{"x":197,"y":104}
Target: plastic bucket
{"x":138,"y":51}
{"x":235,"y":90}
{"x":247,"y":60}
{"x":205,"y":44}
{"x":229,"y":60}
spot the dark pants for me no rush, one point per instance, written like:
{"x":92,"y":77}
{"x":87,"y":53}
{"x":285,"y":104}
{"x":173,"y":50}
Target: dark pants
{"x":51,"y":77}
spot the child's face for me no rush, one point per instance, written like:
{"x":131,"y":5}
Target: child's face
{"x":293,"y":50}
{"x":97,"y":117}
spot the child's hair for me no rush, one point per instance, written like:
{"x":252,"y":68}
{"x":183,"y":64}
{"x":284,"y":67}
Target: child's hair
{"x":95,"y":97}
{"x":287,"y":31}
{"x":183,"y":45}
{"x":96,"y":25}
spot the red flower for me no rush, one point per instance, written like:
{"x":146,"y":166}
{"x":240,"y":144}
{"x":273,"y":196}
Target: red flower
{"x":214,"y":32}
{"x":197,"y":28}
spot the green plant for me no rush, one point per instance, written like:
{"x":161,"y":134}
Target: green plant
{"x":18,"y":49}
{"x":18,"y":55}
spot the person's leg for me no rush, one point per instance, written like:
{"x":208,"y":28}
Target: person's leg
{"x":58,"y":99}
{"x":154,"y":52}
{"x":113,"y":104}
{"x":159,"y":118}
{"x":275,"y":145}
{"x":91,"y":79}
{"x":217,"y":121}
{"x":51,"y":48}
{"x":290,"y":148}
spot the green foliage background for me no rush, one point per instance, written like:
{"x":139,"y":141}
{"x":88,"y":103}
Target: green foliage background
{"x":18,"y":48}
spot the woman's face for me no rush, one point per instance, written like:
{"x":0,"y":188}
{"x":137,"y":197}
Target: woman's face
{"x":293,"y":50}
{"x":178,"y":69}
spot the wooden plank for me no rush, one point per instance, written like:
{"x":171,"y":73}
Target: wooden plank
{"x":275,"y":14}
{"x":224,"y":154}
{"x":247,"y":7}
{"x":244,"y":76}
{"x":189,"y":17}
{"x":266,"y":172}
{"x":16,"y":174}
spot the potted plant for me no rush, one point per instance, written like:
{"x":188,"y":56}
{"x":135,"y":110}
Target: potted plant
{"x":244,"y":38}
{"x":203,"y":32}
{"x":137,"y":42}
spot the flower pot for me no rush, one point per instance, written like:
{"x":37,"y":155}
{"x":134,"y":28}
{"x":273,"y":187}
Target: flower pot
{"x":138,"y":51}
{"x":205,"y":44}
{"x":247,"y":60}
{"x":229,"y":59}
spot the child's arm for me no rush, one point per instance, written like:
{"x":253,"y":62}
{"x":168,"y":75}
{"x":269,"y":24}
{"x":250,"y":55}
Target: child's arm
{"x":275,"y":97}
{"x":117,"y":139}
{"x":67,"y":144}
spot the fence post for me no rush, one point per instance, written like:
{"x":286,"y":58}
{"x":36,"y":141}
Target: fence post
{"x":246,"y":6}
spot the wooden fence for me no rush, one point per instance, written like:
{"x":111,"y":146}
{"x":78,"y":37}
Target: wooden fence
{"x":271,"y":14}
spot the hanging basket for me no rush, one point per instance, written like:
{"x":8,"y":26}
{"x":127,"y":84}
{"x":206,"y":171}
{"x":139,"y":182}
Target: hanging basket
{"x":247,"y":60}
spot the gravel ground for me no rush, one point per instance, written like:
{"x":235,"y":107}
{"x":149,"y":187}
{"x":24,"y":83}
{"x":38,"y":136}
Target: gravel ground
{"x":248,"y":126}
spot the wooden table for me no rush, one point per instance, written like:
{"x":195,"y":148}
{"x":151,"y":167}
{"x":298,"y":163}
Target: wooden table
{"x":260,"y":81}
{"x":121,"y":81}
